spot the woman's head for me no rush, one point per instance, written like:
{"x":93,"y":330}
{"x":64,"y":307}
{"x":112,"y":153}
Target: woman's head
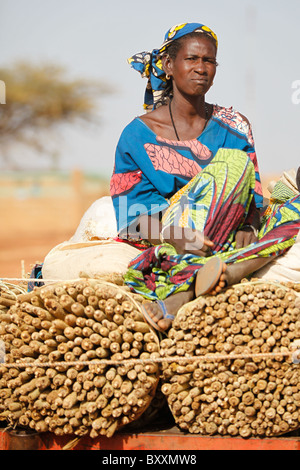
{"x":152,"y":64}
{"x":190,"y":65}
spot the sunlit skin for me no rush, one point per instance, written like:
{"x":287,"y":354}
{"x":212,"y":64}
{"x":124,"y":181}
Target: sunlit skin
{"x":192,"y":73}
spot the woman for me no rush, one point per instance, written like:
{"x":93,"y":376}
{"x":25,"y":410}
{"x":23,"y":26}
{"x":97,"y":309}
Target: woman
{"x":186,"y":183}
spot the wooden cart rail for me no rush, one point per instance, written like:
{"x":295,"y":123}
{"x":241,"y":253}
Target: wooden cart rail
{"x":170,"y":440}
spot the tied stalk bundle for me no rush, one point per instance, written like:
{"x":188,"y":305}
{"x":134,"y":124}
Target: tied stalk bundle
{"x":67,"y":367}
{"x":8,"y":295}
{"x":256,"y":393}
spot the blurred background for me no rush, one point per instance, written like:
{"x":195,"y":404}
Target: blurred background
{"x":69,"y":92}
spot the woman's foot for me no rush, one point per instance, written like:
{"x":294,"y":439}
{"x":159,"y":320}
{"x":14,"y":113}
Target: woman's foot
{"x":161,"y":314}
{"x":161,"y":318}
{"x":208,"y":278}
{"x":233,"y":273}
{"x":229,"y":275}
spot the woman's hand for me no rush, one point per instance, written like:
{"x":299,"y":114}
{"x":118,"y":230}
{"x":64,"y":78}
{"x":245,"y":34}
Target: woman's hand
{"x":245,"y":237}
{"x":184,"y":240}
{"x":187,"y":240}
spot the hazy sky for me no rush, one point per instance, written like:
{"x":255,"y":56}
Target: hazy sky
{"x":258,"y":57}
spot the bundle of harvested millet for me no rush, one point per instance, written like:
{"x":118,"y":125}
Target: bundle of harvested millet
{"x":78,"y":359}
{"x":233,"y":371}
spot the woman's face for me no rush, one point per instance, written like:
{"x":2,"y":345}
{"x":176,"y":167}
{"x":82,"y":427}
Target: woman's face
{"x":194,"y":68}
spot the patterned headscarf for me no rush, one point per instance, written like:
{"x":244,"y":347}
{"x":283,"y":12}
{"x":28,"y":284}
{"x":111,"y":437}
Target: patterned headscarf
{"x":149,"y":64}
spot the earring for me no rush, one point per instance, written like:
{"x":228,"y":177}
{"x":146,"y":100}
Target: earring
{"x":168,"y":77}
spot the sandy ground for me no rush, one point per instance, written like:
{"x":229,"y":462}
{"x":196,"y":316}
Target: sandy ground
{"x":31,"y":227}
